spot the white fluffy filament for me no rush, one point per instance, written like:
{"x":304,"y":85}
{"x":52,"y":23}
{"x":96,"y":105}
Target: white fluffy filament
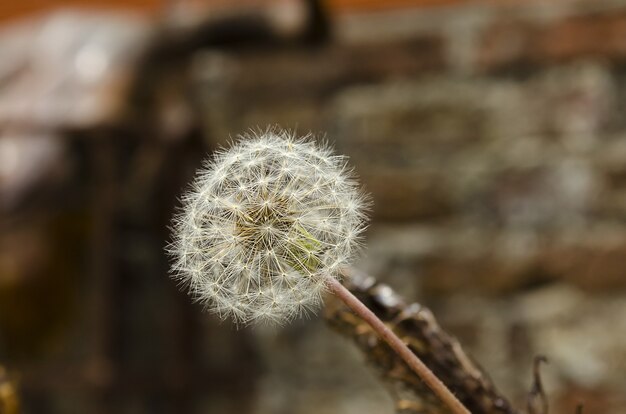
{"x":265,"y":225}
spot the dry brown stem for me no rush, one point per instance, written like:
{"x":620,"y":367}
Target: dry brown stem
{"x":399,"y":347}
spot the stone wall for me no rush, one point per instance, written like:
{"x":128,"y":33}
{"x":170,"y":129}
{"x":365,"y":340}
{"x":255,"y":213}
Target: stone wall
{"x":491,"y":136}
{"x":493,"y":141}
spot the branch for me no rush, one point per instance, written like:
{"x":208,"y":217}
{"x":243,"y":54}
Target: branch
{"x":417,"y":326}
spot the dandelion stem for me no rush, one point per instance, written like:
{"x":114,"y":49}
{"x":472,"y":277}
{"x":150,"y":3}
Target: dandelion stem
{"x":416,"y":365}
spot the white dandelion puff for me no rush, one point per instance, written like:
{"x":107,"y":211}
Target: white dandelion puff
{"x":266,"y":224}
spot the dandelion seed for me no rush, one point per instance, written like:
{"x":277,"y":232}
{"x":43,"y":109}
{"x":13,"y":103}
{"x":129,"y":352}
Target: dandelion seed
{"x":271,"y":215}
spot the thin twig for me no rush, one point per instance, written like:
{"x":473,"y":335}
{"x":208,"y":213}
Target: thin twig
{"x":537,"y":401}
{"x":434,"y":383}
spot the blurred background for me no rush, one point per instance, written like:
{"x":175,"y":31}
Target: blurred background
{"x":491,"y":135}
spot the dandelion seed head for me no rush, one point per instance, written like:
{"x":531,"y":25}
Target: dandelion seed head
{"x":264,"y":226}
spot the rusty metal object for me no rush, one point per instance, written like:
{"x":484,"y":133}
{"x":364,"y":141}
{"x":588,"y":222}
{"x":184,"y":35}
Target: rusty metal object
{"x":9,"y":402}
{"x":418,"y":327}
